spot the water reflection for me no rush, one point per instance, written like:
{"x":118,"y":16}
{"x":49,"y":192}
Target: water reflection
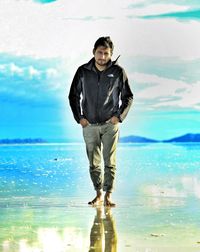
{"x":103,"y":235}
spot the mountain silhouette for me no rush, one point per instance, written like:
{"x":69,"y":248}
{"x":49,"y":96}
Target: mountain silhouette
{"x":189,"y":137}
{"x":136,"y":139}
{"x":22,"y":141}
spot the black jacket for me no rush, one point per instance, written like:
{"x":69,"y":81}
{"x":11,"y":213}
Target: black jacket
{"x":98,"y":99}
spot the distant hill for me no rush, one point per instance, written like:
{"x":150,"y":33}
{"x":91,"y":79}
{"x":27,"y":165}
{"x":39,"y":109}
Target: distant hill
{"x":22,"y":141}
{"x":127,"y":139}
{"x":189,"y":137}
{"x":185,"y":138}
{"x":136,"y":139}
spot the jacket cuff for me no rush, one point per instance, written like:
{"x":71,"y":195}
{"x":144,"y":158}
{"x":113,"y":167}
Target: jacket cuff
{"x":80,"y":117}
{"x":118,"y":116}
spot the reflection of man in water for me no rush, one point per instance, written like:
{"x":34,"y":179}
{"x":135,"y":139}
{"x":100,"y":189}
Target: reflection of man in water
{"x":100,"y":97}
{"x":103,"y":229}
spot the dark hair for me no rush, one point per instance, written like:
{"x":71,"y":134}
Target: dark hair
{"x":105,"y":42}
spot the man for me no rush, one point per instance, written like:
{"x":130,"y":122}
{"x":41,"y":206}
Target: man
{"x":100,"y":98}
{"x":103,"y":232}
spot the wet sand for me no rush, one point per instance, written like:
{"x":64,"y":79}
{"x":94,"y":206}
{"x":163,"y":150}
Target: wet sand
{"x":44,"y":192}
{"x":150,"y":224}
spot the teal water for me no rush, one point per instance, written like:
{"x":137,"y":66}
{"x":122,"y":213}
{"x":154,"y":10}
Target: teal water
{"x":44,"y":190}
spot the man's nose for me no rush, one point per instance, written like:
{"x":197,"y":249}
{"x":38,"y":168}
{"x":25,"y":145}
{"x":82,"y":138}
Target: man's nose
{"x":102,"y":56}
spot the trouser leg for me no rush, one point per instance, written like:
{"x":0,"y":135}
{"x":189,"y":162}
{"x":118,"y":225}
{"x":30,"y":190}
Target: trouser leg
{"x":110,"y":135}
{"x":92,"y":139}
{"x":111,"y":233}
{"x":96,"y":234}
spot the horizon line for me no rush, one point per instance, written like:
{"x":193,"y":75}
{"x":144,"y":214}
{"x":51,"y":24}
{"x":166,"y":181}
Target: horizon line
{"x":74,"y":140}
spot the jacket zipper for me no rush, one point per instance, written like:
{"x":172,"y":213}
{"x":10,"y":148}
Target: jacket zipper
{"x":97,"y":104}
{"x":98,"y":84}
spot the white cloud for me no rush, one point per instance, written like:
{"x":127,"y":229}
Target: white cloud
{"x":167,"y":92}
{"x":162,"y":86}
{"x":38,"y":30}
{"x":14,"y":69}
{"x":190,"y":98}
{"x":29,"y":71}
{"x":2,"y":68}
{"x":51,"y":73}
{"x":157,"y":9}
{"x":33,"y":72}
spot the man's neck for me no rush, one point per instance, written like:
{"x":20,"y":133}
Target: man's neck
{"x":99,"y":67}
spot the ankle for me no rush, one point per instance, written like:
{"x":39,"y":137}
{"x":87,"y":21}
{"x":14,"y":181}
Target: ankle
{"x":99,"y":193}
{"x":108,"y":195}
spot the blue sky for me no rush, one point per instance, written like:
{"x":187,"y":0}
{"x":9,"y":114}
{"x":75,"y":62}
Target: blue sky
{"x":42,"y":42}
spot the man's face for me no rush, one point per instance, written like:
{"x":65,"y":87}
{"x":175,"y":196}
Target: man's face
{"x":102,"y":55}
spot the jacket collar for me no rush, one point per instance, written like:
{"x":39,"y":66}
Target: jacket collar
{"x":90,"y":64}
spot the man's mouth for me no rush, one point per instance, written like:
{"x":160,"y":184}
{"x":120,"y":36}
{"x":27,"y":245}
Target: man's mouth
{"x":101,"y":61}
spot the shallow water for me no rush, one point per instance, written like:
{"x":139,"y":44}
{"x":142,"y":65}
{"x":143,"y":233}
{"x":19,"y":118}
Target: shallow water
{"x":44,"y":191}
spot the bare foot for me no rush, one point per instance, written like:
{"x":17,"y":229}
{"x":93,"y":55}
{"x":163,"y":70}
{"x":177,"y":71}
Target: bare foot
{"x":107,"y":200}
{"x":108,"y":203}
{"x":97,"y":200}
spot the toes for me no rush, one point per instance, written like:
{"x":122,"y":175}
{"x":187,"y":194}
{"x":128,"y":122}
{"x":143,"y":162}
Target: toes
{"x":95,"y":201}
{"x":92,"y":202}
{"x":109,"y":203}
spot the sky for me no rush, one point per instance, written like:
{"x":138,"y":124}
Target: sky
{"x":43,"y":42}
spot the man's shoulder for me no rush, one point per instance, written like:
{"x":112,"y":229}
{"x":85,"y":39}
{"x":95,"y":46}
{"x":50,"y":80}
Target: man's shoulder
{"x":87,"y":65}
{"x":118,"y":67}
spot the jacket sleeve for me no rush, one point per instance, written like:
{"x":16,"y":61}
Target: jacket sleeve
{"x":126,"y":97}
{"x":75,"y":96}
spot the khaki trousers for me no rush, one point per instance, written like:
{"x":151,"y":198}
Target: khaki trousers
{"x":101,"y":140}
